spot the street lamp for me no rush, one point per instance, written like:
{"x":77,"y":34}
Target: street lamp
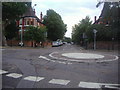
{"x":94,"y":31}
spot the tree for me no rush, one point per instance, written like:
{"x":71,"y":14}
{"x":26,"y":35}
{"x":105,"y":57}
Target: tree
{"x":11,"y":31}
{"x":55,"y":25}
{"x":35,"y":34}
{"x":12,"y":11}
{"x":79,"y":29}
{"x":67,"y":39}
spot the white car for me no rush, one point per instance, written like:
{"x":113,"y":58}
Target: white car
{"x":55,"y":43}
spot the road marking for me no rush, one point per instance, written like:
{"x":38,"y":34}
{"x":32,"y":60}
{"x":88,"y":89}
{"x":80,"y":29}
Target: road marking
{"x":59,"y":81}
{"x":43,"y":57}
{"x":89,"y":85}
{"x":90,"y":61}
{"x":33,"y":78}
{"x":97,"y":85}
{"x":107,"y":86}
{"x":3,"y":72}
{"x":14,"y":75}
{"x":2,"y":49}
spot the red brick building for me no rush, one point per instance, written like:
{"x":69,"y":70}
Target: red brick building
{"x":29,"y":19}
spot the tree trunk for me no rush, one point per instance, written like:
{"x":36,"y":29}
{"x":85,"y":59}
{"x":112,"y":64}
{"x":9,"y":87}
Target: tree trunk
{"x":33,"y":43}
{"x":4,"y":42}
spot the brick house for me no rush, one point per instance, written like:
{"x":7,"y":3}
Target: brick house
{"x":29,"y":18}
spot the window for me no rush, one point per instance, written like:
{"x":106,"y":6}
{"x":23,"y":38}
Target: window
{"x":32,"y":23}
{"x":27,"y":22}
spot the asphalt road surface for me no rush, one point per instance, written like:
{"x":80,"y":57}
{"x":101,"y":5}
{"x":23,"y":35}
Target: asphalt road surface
{"x":47,"y":68}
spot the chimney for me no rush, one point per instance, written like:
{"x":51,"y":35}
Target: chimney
{"x":41,"y":16}
{"x":95,"y":19}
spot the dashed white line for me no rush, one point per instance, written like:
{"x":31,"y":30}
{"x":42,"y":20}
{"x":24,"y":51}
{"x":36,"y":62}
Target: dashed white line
{"x":96,"y":85}
{"x":59,"y":81}
{"x":3,"y":72}
{"x":14,"y":75}
{"x":89,"y":85}
{"x":82,"y":84}
{"x":34,"y":78}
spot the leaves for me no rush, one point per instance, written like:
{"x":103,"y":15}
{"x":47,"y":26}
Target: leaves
{"x":80,"y":28}
{"x":55,"y":25}
{"x":13,"y":10}
{"x":35,"y":33}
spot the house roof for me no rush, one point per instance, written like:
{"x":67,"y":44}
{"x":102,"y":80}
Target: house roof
{"x":30,"y":13}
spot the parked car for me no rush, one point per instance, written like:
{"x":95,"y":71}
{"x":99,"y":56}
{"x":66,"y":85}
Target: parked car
{"x":55,"y":43}
{"x":21,"y":44}
{"x":60,"y":42}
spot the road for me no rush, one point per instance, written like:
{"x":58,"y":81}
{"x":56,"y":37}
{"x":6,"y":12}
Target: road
{"x":47,"y":68}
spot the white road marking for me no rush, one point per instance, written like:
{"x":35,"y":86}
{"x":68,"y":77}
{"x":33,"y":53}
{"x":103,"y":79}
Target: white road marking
{"x":82,"y":55}
{"x":89,"y":85}
{"x":90,"y":61}
{"x":106,"y":86}
{"x":2,"y":49}
{"x":3,"y":72}
{"x":43,"y":57}
{"x":59,"y":81}
{"x":33,"y":78}
{"x":14,"y":75}
{"x":61,"y":62}
{"x":97,"y":85}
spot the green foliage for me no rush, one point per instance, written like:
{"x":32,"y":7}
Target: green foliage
{"x":55,"y":25}
{"x":104,"y":33}
{"x":13,"y":10}
{"x":11,"y":31}
{"x":109,"y":29}
{"x":35,"y":33}
{"x":80,"y":28}
{"x":67,"y":39}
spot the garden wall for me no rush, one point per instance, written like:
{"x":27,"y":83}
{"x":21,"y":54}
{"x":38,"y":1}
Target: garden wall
{"x":109,"y":45}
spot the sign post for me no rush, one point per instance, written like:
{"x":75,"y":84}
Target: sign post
{"x":94,"y":31}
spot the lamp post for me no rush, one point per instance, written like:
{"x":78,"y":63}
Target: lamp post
{"x":22,"y":30}
{"x":94,"y":31}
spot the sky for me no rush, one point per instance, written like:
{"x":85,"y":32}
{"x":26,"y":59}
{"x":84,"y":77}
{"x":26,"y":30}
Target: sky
{"x":71,"y":11}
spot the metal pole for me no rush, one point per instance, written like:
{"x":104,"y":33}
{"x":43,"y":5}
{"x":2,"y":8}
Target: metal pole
{"x":22,"y":30}
{"x":94,"y":31}
{"x":21,"y":37}
{"x":94,"y":41}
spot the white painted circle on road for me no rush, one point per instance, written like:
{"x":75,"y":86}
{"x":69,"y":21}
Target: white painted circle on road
{"x":82,"y":55}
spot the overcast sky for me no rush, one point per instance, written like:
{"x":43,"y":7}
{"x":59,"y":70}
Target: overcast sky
{"x":71,"y":11}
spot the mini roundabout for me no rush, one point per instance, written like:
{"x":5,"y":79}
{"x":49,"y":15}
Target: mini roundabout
{"x":82,"y":57}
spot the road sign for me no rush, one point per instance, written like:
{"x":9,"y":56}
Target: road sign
{"x":94,"y":31}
